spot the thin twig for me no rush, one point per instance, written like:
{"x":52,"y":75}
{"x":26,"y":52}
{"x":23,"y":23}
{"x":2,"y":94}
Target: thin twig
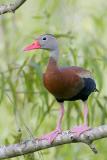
{"x":5,"y":8}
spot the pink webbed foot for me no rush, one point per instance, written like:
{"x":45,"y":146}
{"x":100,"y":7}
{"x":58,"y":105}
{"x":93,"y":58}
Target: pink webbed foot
{"x":51,"y":136}
{"x":78,"y":130}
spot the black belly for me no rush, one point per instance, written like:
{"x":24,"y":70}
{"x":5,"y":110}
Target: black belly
{"x":89,"y":87}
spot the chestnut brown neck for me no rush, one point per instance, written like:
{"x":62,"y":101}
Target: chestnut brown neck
{"x":53,"y":61}
{"x":52,"y":65}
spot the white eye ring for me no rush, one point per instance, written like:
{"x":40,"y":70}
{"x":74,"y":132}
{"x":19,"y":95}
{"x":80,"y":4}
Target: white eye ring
{"x":44,"y":38}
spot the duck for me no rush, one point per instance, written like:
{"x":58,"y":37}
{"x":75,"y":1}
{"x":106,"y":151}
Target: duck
{"x":70,"y":83}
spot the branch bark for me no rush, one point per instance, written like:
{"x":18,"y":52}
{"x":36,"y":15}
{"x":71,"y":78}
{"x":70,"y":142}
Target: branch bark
{"x":4,"y":8}
{"x":65,"y":137}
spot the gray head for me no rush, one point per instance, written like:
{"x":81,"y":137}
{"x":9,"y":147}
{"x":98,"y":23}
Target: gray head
{"x":46,"y":41}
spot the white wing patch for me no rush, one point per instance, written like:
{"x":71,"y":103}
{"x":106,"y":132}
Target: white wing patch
{"x":85,"y":75}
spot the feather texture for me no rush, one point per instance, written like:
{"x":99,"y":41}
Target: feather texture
{"x":68,"y":83}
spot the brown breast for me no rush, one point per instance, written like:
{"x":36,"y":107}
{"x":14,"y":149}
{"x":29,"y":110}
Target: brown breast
{"x":62,"y":83}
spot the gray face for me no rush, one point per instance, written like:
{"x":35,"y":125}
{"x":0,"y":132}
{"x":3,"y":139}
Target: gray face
{"x":48,"y":42}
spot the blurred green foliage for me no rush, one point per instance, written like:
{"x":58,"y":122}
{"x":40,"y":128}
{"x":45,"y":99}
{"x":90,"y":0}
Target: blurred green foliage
{"x":26,"y":108}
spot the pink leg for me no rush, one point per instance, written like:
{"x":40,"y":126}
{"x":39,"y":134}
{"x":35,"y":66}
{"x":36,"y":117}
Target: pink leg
{"x":85,"y":113}
{"x":82,"y":128}
{"x":51,"y":136}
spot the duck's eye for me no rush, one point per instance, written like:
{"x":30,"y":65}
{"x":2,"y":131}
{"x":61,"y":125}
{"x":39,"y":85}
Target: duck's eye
{"x":44,"y":38}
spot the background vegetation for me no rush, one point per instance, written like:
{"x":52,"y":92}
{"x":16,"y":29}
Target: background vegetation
{"x":26,"y":108}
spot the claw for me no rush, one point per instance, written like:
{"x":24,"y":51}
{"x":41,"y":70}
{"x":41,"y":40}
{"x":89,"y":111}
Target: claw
{"x":78,"y":130}
{"x":51,"y":136}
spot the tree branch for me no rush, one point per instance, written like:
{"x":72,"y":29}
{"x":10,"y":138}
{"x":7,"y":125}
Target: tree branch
{"x":4,"y":8}
{"x":65,"y":137}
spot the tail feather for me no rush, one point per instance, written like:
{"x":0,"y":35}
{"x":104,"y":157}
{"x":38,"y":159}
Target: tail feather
{"x":96,"y":90}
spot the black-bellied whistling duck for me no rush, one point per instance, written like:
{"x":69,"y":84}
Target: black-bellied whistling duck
{"x":65,"y":84}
